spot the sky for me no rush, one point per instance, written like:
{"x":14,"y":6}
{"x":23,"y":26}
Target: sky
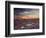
{"x":26,"y":11}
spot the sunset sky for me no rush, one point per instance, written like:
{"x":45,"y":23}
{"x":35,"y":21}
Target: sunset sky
{"x":25,"y":12}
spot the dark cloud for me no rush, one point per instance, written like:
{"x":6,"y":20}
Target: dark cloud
{"x":17,"y":11}
{"x":25,"y":11}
